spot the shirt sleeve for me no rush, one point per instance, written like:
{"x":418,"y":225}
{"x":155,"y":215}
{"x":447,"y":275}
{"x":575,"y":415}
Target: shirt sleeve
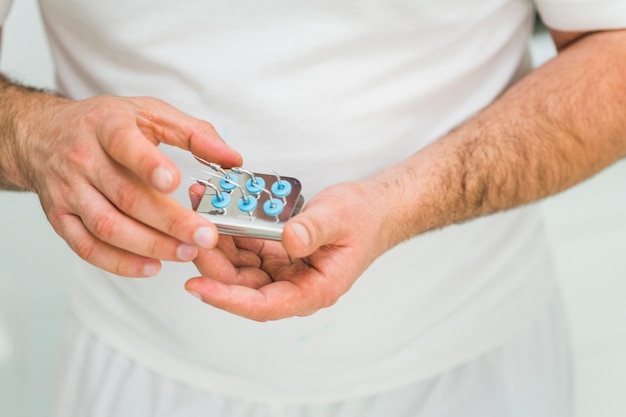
{"x":582,"y":15}
{"x":5,"y":7}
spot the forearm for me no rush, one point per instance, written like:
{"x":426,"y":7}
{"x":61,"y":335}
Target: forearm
{"x":21,"y":110}
{"x":559,"y":125}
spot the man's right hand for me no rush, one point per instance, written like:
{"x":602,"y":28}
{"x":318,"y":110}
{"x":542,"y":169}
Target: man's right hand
{"x":101,"y":179}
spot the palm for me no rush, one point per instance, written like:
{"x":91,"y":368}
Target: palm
{"x":259,"y":279}
{"x":261,"y":274}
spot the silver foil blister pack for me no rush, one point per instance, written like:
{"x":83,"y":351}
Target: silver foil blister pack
{"x":250,"y":204}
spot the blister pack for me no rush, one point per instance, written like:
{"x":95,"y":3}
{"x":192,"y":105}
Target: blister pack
{"x":244,"y":203}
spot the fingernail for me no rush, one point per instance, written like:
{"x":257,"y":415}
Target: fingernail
{"x":302,"y":233}
{"x":162,"y":178}
{"x":205,"y":237}
{"x":150,"y":269}
{"x":195,"y":294}
{"x":186,"y":252}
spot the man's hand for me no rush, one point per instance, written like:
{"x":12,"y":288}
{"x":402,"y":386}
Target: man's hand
{"x":101,"y":179}
{"x":559,"y":125}
{"x":324,"y":250}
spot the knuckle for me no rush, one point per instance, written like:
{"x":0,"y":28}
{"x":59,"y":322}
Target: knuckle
{"x":78,"y":156}
{"x":97,"y":111}
{"x":153,"y":247}
{"x":178,"y":223}
{"x":127,"y":198}
{"x":119,"y":267}
{"x":308,"y":313}
{"x":159,"y":102}
{"x":104,"y":226}
{"x":84,"y":248}
{"x":116,"y":139}
{"x":329,"y":301}
{"x":260,"y":317}
{"x":207,"y":125}
{"x":145,"y":162}
{"x":148,"y":100}
{"x":160,"y":247}
{"x":328,"y":296}
{"x":255,"y":312}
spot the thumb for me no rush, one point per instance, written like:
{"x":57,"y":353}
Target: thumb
{"x":317,"y":225}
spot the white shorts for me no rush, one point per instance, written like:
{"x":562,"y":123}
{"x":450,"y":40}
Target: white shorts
{"x":530,"y":376}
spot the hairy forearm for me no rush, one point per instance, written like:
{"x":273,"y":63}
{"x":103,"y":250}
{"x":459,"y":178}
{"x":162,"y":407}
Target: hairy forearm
{"x":561,"y":124}
{"x":20,"y":108}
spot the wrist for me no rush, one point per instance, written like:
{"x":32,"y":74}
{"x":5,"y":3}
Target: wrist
{"x":419,"y":194}
{"x":24,"y":113}
{"x":395,"y":195}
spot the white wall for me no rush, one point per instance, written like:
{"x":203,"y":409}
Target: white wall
{"x":587,"y":226}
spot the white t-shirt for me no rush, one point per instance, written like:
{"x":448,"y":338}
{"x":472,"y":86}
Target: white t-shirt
{"x":325,"y":91}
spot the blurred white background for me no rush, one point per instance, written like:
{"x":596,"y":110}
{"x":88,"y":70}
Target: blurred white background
{"x":35,"y":263}
{"x":587,"y":227}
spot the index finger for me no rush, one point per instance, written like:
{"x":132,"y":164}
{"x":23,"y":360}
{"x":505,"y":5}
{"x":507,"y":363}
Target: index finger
{"x":154,"y":209}
{"x":131,"y":139}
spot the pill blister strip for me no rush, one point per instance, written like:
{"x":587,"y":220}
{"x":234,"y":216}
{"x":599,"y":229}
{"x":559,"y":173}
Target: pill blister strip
{"x":244,"y":203}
